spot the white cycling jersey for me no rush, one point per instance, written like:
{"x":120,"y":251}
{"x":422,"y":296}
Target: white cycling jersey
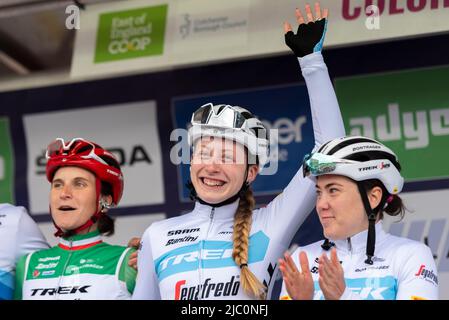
{"x":19,"y":235}
{"x":403,"y":269}
{"x":190,"y":256}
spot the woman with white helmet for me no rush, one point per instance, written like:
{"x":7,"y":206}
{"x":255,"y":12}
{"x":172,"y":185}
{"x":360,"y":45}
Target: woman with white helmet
{"x":224,"y":248}
{"x":86,"y":181}
{"x":358,"y":181}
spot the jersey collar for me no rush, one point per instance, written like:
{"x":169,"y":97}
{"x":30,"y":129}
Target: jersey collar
{"x":357,"y":243}
{"x":79,"y":242}
{"x":219,"y":213}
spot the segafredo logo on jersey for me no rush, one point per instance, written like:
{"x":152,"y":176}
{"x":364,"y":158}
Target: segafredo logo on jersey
{"x":207,"y":289}
{"x":214,"y":254}
{"x":427,"y":274}
{"x":375,"y":288}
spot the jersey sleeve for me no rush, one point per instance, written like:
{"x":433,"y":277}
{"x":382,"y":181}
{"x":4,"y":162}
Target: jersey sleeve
{"x":127,"y":273}
{"x":298,"y":198}
{"x":20,"y":277}
{"x":418,"y":278}
{"x":29,"y":236}
{"x":326,"y":116}
{"x":147,"y":284}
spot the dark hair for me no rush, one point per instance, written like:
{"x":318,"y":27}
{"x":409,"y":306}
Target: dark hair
{"x":394,"y":208}
{"x":106,"y":224}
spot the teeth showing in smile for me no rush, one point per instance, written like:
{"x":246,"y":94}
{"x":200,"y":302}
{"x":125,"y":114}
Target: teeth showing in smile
{"x":213,"y":183}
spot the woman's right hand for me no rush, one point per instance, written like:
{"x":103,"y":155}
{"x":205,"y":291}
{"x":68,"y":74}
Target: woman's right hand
{"x":299,"y":284}
{"x":310,"y":36}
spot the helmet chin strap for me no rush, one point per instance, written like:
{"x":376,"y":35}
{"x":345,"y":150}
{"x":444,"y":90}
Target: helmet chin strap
{"x":102,"y":204}
{"x":194,"y":196}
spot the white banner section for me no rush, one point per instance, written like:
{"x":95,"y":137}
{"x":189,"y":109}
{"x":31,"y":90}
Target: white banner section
{"x":149,"y":35}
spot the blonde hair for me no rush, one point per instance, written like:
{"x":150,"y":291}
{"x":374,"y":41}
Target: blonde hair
{"x":242,"y":226}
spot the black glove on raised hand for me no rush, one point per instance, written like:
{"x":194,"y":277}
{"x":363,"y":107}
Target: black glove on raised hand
{"x":308,"y":39}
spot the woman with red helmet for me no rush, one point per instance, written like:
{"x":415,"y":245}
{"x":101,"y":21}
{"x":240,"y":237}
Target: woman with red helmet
{"x":86,"y":181}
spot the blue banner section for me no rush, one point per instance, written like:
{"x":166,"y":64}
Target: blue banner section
{"x":283,"y":108}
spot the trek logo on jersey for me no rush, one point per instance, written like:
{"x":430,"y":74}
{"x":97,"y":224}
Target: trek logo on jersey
{"x":207,"y":289}
{"x":427,"y":275}
{"x":183,"y":231}
{"x":214,"y":255}
{"x":59,"y":290}
{"x":370,"y":288}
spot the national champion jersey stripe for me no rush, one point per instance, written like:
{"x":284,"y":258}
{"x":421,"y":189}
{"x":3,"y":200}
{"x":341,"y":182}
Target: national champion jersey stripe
{"x":62,"y":246}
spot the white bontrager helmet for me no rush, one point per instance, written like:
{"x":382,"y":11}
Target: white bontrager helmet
{"x":233,"y":123}
{"x":358,"y":158}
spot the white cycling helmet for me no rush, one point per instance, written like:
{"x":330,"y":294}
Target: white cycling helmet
{"x":233,"y":123}
{"x":358,"y":158}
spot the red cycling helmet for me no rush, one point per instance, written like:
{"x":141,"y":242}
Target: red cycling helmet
{"x":87,"y":155}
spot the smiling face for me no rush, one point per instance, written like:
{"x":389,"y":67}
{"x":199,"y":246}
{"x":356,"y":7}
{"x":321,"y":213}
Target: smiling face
{"x":340,"y":208}
{"x":72,"y":197}
{"x":218,"y":169}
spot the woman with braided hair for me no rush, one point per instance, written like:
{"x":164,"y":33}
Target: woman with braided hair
{"x":225,"y":248}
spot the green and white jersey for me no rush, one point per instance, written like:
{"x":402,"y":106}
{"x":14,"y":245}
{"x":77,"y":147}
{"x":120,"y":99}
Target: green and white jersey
{"x":79,"y":267}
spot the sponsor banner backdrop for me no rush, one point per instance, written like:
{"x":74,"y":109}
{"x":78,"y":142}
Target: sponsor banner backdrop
{"x":122,"y":37}
{"x":200,"y":31}
{"x":427,"y":221}
{"x":408,"y":111}
{"x":131,"y":34}
{"x":135,"y":142}
{"x":203,"y":29}
{"x":284,"y":108}
{"x":6,"y":163}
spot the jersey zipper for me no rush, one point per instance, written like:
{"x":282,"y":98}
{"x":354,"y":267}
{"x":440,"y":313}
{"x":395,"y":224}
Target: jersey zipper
{"x":350,"y":247}
{"x":200,"y":262}
{"x":61,"y":277}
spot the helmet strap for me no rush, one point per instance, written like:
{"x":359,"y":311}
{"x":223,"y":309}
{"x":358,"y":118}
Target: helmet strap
{"x":372,"y":216}
{"x":327,"y":245}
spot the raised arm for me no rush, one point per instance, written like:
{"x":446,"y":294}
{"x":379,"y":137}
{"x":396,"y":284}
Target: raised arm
{"x":298,"y":198}
{"x":306,"y":45}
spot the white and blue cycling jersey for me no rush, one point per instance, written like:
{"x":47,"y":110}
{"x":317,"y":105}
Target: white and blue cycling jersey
{"x":169,"y":261}
{"x":19,"y":235}
{"x":403,"y":269}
